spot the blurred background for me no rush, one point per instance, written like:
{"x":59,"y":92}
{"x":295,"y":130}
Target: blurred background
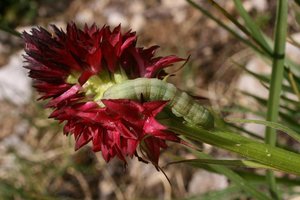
{"x":38,"y":162}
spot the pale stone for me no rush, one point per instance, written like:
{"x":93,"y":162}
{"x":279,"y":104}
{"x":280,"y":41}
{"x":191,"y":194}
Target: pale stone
{"x":258,"y":129}
{"x":85,"y":16}
{"x":15,"y":86}
{"x":114,"y":18}
{"x":204,"y":181}
{"x":251,"y":84}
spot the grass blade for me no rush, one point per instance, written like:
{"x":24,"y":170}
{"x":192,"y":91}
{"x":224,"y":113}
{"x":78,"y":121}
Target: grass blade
{"x":266,"y":154}
{"x":231,"y":192}
{"x":7,"y":29}
{"x":293,"y":84}
{"x":234,"y":177}
{"x":273,"y":125}
{"x":240,"y":26}
{"x":229,"y":163}
{"x":223,"y":25}
{"x":251,"y":25}
{"x":263,"y":78}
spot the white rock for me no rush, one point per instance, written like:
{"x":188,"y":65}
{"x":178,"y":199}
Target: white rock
{"x":204,"y":181}
{"x":15,"y":86}
{"x":115,"y":17}
{"x":85,"y":16}
{"x":250,"y":84}
{"x":255,"y":128}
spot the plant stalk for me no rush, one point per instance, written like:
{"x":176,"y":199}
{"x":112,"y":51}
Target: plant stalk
{"x":276,"y":84}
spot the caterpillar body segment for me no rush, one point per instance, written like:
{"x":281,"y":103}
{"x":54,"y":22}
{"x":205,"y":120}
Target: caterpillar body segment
{"x":181,"y":104}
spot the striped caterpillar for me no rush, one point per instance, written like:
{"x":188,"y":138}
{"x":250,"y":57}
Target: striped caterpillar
{"x":181,"y":104}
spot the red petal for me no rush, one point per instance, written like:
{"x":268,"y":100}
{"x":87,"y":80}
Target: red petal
{"x":152,"y":149}
{"x":151,"y":126}
{"x":129,"y":110}
{"x":95,"y":61}
{"x":131,"y":146}
{"x":160,"y":64}
{"x":155,"y":107}
{"x":127,"y":43}
{"x":69,"y":93}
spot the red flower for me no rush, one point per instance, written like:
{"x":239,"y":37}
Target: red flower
{"x":74,"y":68}
{"x":118,"y":128}
{"x":53,"y":57}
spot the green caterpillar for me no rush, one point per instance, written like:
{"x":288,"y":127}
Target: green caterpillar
{"x":181,"y":104}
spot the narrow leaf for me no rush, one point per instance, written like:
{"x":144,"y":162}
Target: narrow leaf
{"x":273,"y":125}
{"x":231,"y":192}
{"x":7,"y":29}
{"x":229,"y":163}
{"x":227,"y":28}
{"x":274,"y":157}
{"x":251,"y":25}
{"x":234,"y":177}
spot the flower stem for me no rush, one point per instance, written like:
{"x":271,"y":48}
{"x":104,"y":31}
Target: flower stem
{"x":276,"y":83}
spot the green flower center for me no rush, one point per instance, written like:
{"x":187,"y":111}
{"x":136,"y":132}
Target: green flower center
{"x":97,"y":84}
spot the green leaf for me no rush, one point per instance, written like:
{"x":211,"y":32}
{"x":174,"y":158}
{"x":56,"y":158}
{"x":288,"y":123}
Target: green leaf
{"x":223,"y":25}
{"x":261,"y":179}
{"x":6,"y":28}
{"x":262,"y":78}
{"x":251,"y":177}
{"x":294,"y":81}
{"x":244,"y":110}
{"x":251,"y":25}
{"x":234,"y":177}
{"x":229,"y":163}
{"x":289,"y":117}
{"x":231,"y":192}
{"x":274,"y":157}
{"x":250,"y":133}
{"x":263,"y":102}
{"x":273,"y":125}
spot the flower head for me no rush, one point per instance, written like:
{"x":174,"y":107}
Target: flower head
{"x":73,"y":69}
